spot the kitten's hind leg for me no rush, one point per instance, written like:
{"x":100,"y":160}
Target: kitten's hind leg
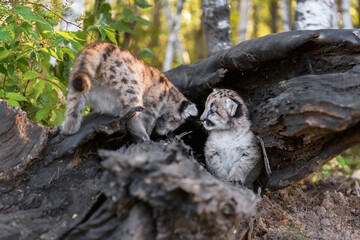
{"x":76,"y":105}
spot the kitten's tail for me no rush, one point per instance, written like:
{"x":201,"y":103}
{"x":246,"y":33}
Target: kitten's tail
{"x":88,"y":63}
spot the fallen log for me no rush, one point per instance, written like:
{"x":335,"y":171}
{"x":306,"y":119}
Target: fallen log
{"x":302,"y":89}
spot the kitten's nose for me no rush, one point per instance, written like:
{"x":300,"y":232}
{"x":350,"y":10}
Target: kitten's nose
{"x":208,"y":123}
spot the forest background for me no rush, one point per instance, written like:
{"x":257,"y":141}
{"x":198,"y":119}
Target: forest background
{"x":39,"y":41}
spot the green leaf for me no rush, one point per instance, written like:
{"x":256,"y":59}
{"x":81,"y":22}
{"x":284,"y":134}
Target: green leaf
{"x":23,"y":10}
{"x":128,"y":14}
{"x":142,"y":21}
{"x":31,"y":75}
{"x":39,"y":87}
{"x":122,"y":26}
{"x":103,"y":33}
{"x":23,"y":53}
{"x":69,"y":52}
{"x":22,"y":67}
{"x":50,"y":52}
{"x":341,"y":161}
{"x":13,"y":103}
{"x":104,"y":14}
{"x":3,"y":69}
{"x":69,"y":35}
{"x":45,"y":30}
{"x":60,"y":53}
{"x":55,"y":82}
{"x":91,"y":27}
{"x":59,"y":117}
{"x":4,"y":53}
{"x":146,"y":53}
{"x":5,"y":36}
{"x":11,"y":69}
{"x":142,"y":3}
{"x":58,"y":40}
{"x":110,"y":33}
{"x":16,"y":96}
{"x":41,"y":114}
{"x":77,"y":46}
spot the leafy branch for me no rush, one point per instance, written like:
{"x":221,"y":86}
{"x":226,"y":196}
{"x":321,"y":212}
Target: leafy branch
{"x":43,"y":6}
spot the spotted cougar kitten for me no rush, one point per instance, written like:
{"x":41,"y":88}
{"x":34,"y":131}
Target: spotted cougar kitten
{"x":231,"y":150}
{"x":113,"y":81}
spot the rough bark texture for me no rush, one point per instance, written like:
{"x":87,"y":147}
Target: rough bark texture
{"x":302,"y":90}
{"x":217,"y":25}
{"x":303,"y":93}
{"x":314,"y":14}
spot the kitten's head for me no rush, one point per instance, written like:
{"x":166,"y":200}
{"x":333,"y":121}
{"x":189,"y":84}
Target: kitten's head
{"x":222,"y":108}
{"x":175,"y":116}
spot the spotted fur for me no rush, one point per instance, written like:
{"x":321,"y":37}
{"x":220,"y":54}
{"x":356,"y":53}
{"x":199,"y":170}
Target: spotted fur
{"x":113,"y":81}
{"x":231,"y":150}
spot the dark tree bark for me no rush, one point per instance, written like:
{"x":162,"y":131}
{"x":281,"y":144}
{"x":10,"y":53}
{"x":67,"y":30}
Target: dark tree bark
{"x":303,"y":93}
{"x":217,"y":25}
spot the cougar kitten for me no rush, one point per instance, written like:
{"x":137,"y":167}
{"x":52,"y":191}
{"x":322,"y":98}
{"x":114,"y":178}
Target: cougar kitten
{"x":231,"y":150}
{"x":113,"y":81}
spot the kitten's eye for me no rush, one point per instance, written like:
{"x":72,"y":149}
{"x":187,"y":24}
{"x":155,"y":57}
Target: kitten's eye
{"x":212,"y":111}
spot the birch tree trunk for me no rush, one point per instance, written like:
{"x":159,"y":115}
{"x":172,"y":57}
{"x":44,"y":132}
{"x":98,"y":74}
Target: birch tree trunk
{"x":217,"y":25}
{"x":313,"y":14}
{"x":286,"y":15}
{"x":345,"y":14}
{"x":178,"y":43}
{"x":175,"y":26}
{"x":244,"y":7}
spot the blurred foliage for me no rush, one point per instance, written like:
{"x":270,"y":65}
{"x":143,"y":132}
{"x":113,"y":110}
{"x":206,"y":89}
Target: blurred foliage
{"x":342,"y":165}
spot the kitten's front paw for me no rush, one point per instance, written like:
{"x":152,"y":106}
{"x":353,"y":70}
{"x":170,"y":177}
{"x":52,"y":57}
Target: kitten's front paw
{"x":69,"y":128}
{"x":221,"y":72}
{"x":132,"y":112}
{"x":235,"y":180}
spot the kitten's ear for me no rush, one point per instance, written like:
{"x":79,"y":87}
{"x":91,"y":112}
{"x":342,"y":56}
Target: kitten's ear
{"x":189,"y":110}
{"x":230,"y":106}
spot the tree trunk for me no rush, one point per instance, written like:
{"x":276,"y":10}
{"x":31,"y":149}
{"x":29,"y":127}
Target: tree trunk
{"x":302,"y":89}
{"x":286,"y":14}
{"x":274,"y":14}
{"x":244,"y":7}
{"x":313,"y":14}
{"x":256,"y":21}
{"x":175,"y":27}
{"x":345,"y":14}
{"x":155,"y":29}
{"x":217,"y":25}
